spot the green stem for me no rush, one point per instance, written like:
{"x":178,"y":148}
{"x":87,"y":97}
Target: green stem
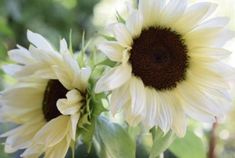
{"x":73,"y":149}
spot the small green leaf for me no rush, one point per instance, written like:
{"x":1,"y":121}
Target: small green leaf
{"x":5,"y":30}
{"x":87,"y":133}
{"x":109,"y":38}
{"x":107,"y":62}
{"x":120,"y":18}
{"x":192,"y":147}
{"x":3,"y":154}
{"x":161,"y":142}
{"x":70,"y":41}
{"x":3,"y":51}
{"x":87,"y":130}
{"x":112,"y":140}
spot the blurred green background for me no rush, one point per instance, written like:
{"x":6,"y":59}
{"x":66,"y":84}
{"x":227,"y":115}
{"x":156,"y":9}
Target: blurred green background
{"x":55,"y":18}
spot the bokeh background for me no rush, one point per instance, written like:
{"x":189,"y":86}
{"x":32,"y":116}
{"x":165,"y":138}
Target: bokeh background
{"x":55,"y":19}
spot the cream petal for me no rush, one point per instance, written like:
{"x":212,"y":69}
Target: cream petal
{"x":172,"y":11}
{"x":29,"y":70}
{"x":131,"y":118}
{"x":53,"y":132}
{"x":39,"y":41}
{"x":129,"y":7}
{"x":85,"y":74}
{"x":77,"y":83}
{"x":122,"y":35}
{"x":216,"y":91}
{"x":164,"y":111}
{"x":12,"y":69}
{"x":71,"y":64}
{"x":45,"y":56}
{"x":209,"y":54}
{"x":20,"y":115}
{"x":151,"y":109}
{"x":21,"y":56}
{"x":156,"y":11}
{"x":63,"y":46}
{"x":198,"y":99}
{"x":74,"y":121}
{"x":221,"y":103}
{"x":196,"y":74}
{"x":119,"y":98}
{"x":47,"y":73}
{"x":226,"y":71}
{"x":20,"y":71}
{"x":193,"y":110}
{"x":62,"y":77}
{"x":74,"y":96}
{"x":212,"y":37}
{"x":112,"y":50}
{"x":59,"y":150}
{"x":150,"y":10}
{"x":223,"y":37}
{"x":138,"y":96}
{"x":198,"y":114}
{"x":33,"y":151}
{"x":29,"y":96}
{"x":114,"y":78}
{"x":134,"y":23}
{"x":67,"y":108}
{"x":80,"y":79}
{"x":21,"y":137}
{"x":194,"y":15}
{"x":76,"y":77}
{"x":24,"y":129}
{"x":210,"y":90}
{"x":179,"y":124}
{"x":9,"y":149}
{"x":215,"y":22}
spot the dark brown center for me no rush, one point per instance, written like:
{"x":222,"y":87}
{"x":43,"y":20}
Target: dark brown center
{"x":54,"y":91}
{"x":159,"y":57}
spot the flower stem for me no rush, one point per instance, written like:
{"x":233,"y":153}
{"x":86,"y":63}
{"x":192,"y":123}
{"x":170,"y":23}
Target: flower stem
{"x":212,"y":143}
{"x":73,"y":149}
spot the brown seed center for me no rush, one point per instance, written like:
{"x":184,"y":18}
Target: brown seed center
{"x":54,"y":91}
{"x":159,"y":57}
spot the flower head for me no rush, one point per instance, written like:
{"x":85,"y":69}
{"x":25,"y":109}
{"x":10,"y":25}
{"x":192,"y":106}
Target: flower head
{"x":170,"y":64}
{"x":48,"y":100}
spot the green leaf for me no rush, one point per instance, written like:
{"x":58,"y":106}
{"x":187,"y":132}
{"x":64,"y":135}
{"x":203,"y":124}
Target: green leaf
{"x":87,"y":134}
{"x":161,"y":142}
{"x":109,"y":38}
{"x":88,"y":129}
{"x":3,"y":51}
{"x":120,"y":18}
{"x":192,"y":147}
{"x":2,"y":154}
{"x":4,"y":28}
{"x":112,"y":140}
{"x":107,"y":62}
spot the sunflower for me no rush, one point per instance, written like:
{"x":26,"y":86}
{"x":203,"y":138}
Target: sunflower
{"x":170,"y":64}
{"x":47,"y":100}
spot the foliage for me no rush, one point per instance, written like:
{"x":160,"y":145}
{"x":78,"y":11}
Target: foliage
{"x":109,"y":140}
{"x":189,"y":146}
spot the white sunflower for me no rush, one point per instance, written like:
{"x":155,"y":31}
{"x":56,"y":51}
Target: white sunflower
{"x":47,"y":100}
{"x":169,"y":64}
